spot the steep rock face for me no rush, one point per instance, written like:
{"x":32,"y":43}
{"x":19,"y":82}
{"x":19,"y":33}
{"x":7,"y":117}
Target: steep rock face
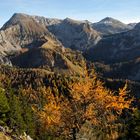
{"x":5,"y":45}
{"x":75,"y":34}
{"x":109,"y":25}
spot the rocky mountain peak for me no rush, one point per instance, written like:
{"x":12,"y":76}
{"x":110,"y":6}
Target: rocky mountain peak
{"x":17,"y":18}
{"x":25,"y":23}
{"x":107,"y":20}
{"x":21,"y":31}
{"x":110,"y":25}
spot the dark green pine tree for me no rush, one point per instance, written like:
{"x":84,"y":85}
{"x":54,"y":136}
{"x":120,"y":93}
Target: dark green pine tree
{"x":16,"y":121}
{"x":134,"y":127}
{"x":29,"y":117}
{"x":4,"y":107}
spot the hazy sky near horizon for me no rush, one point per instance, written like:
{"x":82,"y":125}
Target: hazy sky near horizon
{"x":93,"y":10}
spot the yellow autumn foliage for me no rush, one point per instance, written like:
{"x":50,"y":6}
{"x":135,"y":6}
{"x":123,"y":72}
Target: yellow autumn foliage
{"x":50,"y":115}
{"x":90,"y":101}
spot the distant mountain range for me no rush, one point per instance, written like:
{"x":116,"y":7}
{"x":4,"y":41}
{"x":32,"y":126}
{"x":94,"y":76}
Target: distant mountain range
{"x":57,"y":45}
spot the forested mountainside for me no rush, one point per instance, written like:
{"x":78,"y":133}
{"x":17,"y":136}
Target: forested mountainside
{"x":69,"y":79}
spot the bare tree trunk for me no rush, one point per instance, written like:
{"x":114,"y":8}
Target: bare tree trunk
{"x":73,"y":133}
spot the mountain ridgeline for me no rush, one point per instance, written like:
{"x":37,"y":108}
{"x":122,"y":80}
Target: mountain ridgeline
{"x":70,"y":46}
{"x":24,"y":32}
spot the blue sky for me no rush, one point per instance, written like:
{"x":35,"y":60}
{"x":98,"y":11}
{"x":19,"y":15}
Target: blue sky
{"x":92,"y":10}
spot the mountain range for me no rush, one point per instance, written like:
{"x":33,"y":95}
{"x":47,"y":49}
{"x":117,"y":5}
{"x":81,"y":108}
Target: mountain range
{"x":66,"y":46}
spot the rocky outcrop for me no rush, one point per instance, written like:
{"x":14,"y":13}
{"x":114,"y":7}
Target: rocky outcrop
{"x":6,"y":134}
{"x":5,"y":61}
{"x":75,"y":34}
